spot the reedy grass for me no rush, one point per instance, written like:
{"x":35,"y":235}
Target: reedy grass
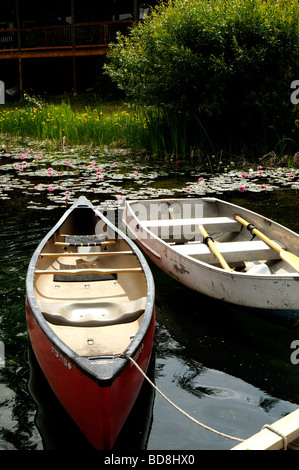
{"x":134,"y":128}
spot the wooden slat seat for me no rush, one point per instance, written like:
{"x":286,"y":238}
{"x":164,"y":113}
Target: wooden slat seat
{"x":220,"y":224}
{"x":92,"y":253}
{"x":87,"y":271}
{"x":233,"y":252}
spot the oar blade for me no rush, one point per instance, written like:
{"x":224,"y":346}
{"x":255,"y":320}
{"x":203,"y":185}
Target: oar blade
{"x":291,"y":259}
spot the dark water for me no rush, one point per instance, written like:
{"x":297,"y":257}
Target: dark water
{"x":225,"y":368}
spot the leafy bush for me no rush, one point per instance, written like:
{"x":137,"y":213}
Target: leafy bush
{"x":228,"y":64}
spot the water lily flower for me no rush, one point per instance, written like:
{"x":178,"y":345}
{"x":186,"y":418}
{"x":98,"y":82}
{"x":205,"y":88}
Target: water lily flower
{"x":36,"y":187}
{"x":136,"y":173}
{"x":260,"y":172}
{"x":263,"y":186}
{"x":120,"y":197}
{"x":291,"y":175}
{"x":243,"y":175}
{"x":200,"y":179}
{"x":116,"y":163}
{"x":16,"y":165}
{"x":242,"y":188}
{"x":51,"y":188}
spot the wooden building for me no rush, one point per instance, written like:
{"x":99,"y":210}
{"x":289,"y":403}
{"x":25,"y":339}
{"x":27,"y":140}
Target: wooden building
{"x":56,"y":45}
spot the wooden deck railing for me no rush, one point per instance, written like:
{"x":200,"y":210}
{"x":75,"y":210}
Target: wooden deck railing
{"x":80,"y":39}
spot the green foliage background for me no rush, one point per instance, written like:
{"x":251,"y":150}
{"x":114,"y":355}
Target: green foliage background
{"x":226,"y":66}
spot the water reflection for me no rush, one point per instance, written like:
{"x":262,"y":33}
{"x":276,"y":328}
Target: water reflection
{"x":224,"y":367}
{"x":58,"y":431}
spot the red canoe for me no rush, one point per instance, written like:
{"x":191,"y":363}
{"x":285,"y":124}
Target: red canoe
{"x":90,"y":298}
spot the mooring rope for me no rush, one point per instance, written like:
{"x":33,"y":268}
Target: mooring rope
{"x":177,"y":407}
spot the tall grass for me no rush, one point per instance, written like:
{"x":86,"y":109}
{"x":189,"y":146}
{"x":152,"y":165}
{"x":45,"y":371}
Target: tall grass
{"x":137,"y":129}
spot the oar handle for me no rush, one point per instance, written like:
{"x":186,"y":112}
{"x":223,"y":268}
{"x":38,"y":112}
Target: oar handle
{"x":209,"y":241}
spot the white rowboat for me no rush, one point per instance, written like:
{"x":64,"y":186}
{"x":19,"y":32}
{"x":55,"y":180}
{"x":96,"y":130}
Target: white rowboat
{"x":181,"y":236}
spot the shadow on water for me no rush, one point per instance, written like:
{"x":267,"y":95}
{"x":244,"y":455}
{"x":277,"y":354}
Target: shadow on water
{"x":228,"y":369}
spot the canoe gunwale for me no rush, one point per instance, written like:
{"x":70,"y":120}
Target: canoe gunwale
{"x":104,"y":375}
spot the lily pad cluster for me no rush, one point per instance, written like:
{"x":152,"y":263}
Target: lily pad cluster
{"x":47,"y":180}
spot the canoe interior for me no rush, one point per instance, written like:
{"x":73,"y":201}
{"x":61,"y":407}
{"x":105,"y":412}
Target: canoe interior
{"x":89,"y":286}
{"x":175,"y":222}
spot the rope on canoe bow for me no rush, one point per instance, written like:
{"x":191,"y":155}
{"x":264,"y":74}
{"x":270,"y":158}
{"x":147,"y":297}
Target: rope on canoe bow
{"x":175,"y":406}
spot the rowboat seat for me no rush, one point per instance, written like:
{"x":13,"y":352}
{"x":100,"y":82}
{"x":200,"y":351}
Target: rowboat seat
{"x":84,"y":314}
{"x":233,"y":252}
{"x":220,"y":224}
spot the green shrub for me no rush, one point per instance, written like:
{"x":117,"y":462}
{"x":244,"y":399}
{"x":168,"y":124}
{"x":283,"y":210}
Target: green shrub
{"x":228,"y":64}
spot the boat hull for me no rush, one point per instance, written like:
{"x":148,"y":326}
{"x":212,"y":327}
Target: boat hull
{"x":271,"y":296}
{"x":99,"y":411}
{"x":97,"y":389}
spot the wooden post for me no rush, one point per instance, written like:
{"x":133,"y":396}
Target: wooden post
{"x":19,"y":49}
{"x":21,"y":80}
{"x":136,"y":13}
{"x":74,"y":47}
{"x":74,"y":76}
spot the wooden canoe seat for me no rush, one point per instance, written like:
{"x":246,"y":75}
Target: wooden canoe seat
{"x":233,"y":252}
{"x":87,"y":314}
{"x":84,"y":240}
{"x":212,"y":224}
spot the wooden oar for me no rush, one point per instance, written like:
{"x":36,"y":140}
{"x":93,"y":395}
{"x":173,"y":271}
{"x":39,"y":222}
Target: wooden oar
{"x":286,"y":256}
{"x":210,"y":242}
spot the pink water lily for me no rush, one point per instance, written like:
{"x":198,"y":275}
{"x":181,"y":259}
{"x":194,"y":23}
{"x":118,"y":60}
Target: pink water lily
{"x":51,"y":188}
{"x":242,"y":188}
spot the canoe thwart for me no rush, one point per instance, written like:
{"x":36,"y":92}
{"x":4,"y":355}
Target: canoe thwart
{"x":89,"y":314}
{"x":87,"y":271}
{"x":92,"y":253}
